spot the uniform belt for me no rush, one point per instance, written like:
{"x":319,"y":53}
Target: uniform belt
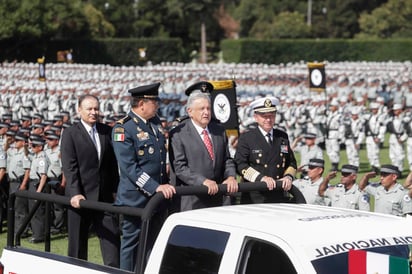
{"x":54,"y":179}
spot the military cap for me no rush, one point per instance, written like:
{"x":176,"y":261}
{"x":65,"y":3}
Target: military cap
{"x":11,"y":132}
{"x":35,"y":136}
{"x":37,"y":116}
{"x":3,"y":124}
{"x":110,"y":119}
{"x":58,"y":117}
{"x":52,"y":136}
{"x":38,"y":141}
{"x":389,"y":169}
{"x":202,"y":86}
{"x":6,"y":116}
{"x":24,"y":130}
{"x":56,"y":128}
{"x":66,"y":124}
{"x":14,"y":123}
{"x":264,"y":105}
{"x":316,"y":163}
{"x":37,"y":125}
{"x":397,"y":107}
{"x":49,"y":132}
{"x":25,"y":118}
{"x":373,"y":105}
{"x":310,"y":135}
{"x":20,"y":136}
{"x":148,"y":91}
{"x":47,"y":122}
{"x":334,"y":103}
{"x":349,"y":169}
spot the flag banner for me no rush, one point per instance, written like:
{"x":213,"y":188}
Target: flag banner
{"x":42,"y":68}
{"x":317,"y":77}
{"x":224,"y":104}
{"x":365,"y":262}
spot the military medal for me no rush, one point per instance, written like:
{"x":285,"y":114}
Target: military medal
{"x":151,"y":150}
{"x":140,"y":153}
{"x":142,"y":136}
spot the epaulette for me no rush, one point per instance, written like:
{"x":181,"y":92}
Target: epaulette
{"x":123,"y":120}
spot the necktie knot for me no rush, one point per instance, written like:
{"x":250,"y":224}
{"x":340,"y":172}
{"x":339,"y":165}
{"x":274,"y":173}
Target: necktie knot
{"x":269,"y":137}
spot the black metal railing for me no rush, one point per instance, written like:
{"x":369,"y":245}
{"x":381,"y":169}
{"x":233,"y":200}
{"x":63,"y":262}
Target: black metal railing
{"x":144,"y":213}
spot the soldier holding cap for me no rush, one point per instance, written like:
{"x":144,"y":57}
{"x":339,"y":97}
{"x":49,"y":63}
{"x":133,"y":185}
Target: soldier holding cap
{"x":390,"y":196}
{"x":309,"y":186}
{"x":264,"y":154}
{"x":139,"y":146}
{"x":346,"y":194}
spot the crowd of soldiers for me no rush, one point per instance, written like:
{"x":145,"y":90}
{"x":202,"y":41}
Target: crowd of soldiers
{"x":363,"y":101}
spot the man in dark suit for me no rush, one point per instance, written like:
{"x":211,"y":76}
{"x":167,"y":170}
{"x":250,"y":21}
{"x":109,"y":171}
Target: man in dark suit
{"x":90,"y":169}
{"x":190,"y":159}
{"x":264,"y":154}
{"x":139,"y":145}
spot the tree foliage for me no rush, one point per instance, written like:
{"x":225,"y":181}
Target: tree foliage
{"x":45,"y":19}
{"x":391,"y":20}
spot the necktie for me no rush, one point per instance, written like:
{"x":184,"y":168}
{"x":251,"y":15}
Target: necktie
{"x":92,"y":135}
{"x":208,"y":144}
{"x":269,"y":138}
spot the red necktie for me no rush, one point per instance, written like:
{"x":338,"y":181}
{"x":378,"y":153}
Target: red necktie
{"x":208,"y":143}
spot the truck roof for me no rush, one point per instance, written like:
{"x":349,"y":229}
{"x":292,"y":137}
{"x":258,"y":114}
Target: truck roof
{"x":309,"y":226}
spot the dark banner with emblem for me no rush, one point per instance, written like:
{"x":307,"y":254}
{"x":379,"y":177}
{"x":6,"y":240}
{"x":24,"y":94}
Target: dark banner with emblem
{"x":42,"y":68}
{"x":224,"y":104}
{"x":317,"y":77}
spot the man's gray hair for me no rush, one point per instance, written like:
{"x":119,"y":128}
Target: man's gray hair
{"x":195,"y":95}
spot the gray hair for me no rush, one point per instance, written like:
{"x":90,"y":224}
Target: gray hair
{"x":195,"y":95}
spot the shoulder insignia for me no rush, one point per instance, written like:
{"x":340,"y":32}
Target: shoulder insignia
{"x":365,"y":198}
{"x":406,"y":198}
{"x":124,"y":120}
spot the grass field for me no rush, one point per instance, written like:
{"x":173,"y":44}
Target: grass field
{"x":59,"y":242}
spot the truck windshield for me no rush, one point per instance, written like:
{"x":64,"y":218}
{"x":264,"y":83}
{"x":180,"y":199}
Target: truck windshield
{"x":342,"y":262}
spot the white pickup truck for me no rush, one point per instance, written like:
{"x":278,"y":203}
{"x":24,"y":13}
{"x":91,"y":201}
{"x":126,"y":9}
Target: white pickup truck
{"x":260,"y":238}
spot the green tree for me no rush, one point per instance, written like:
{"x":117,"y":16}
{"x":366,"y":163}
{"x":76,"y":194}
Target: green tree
{"x":289,"y":25}
{"x":391,"y":20}
{"x":45,"y":19}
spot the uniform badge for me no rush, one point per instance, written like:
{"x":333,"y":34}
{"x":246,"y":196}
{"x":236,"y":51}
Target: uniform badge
{"x":140,"y":152}
{"x":142,"y":136}
{"x":2,"y":157}
{"x":284,"y":148}
{"x":41,"y":163}
{"x":151,"y":150}
{"x":118,"y":135}
{"x":406,"y":198}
